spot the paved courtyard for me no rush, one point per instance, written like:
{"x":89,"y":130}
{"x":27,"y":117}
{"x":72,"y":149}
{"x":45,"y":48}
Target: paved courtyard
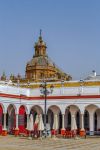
{"x":19,"y":143}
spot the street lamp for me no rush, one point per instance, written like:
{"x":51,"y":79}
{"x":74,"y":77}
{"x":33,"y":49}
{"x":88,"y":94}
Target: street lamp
{"x":45,"y":92}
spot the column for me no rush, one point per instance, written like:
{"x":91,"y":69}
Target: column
{"x":4,"y":127}
{"x":55,"y":124}
{"x":82,"y":131}
{"x":72,"y":122}
{"x":63,"y":121}
{"x":4,"y":130}
{"x":16,"y":129}
{"x":63,"y":125}
{"x":27,"y":121}
{"x":91,"y":123}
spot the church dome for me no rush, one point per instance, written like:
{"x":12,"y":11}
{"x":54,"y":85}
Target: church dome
{"x":41,"y":61}
{"x":41,"y":66}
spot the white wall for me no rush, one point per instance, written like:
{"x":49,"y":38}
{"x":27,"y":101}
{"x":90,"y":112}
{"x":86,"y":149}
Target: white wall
{"x":92,"y":90}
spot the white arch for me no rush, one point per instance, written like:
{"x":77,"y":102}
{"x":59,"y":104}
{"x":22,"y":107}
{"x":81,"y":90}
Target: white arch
{"x":72,"y":108}
{"x":14,"y":106}
{"x":55,"y":109}
{"x":37,"y":108}
{"x":73,"y":105}
{"x":26,"y":109}
{"x":89,"y":105}
{"x":91,"y":108}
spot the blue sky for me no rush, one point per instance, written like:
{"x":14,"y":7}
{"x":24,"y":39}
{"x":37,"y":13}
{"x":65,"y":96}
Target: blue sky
{"x":71,"y":29}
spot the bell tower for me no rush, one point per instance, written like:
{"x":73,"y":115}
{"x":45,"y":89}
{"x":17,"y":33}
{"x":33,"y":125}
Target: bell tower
{"x":40,"y":47}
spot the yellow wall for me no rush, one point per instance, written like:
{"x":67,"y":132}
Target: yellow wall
{"x":67,"y":84}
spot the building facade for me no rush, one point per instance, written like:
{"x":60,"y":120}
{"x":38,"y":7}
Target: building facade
{"x":72,"y":105}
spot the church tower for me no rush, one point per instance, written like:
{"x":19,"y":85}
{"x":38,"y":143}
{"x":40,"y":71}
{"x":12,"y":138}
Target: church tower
{"x":41,"y":66}
{"x":40,"y":47}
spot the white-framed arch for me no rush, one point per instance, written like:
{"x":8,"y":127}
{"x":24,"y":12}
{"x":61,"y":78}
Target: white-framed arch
{"x":71,"y":111}
{"x":54,"y":116}
{"x":36,"y":108}
{"x":91,"y":108}
{"x":25,"y":106}
{"x":55,"y":109}
{"x":11,"y":106}
{"x":73,"y":108}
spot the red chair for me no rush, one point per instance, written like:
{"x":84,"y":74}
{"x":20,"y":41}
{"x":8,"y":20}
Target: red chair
{"x":53,"y":132}
{"x":74,"y":132}
{"x":68,"y":134}
{"x":63,"y":133}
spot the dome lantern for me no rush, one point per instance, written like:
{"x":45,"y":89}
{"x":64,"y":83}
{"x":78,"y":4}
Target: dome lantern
{"x":40,"y":46}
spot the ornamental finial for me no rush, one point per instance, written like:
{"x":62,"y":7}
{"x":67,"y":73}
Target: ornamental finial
{"x":40,"y":32}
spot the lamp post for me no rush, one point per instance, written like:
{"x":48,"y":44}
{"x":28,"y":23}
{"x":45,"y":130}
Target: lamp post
{"x":45,"y":92}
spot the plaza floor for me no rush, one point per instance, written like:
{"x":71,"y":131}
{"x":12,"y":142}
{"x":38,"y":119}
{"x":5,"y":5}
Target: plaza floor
{"x":23,"y":143}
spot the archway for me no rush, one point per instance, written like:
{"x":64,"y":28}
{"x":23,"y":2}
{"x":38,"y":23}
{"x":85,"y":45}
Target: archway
{"x":36,"y":110}
{"x":22,"y":119}
{"x":54,"y":118}
{"x":91,"y":118}
{"x":11,"y":119}
{"x":72,"y":117}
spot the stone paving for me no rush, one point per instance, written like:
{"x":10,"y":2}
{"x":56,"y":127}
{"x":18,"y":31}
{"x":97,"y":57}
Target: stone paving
{"x":19,"y":143}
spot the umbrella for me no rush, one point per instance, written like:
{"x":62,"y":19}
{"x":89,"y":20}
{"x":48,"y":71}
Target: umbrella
{"x":40,"y":124}
{"x":37,"y":119}
{"x":36,"y":122}
{"x":74,"y":126}
{"x":30,"y":124}
{"x":55,"y":124}
{"x":36,"y":126}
